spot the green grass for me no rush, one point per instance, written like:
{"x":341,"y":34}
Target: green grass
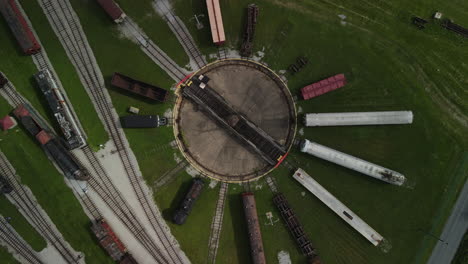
{"x":462,"y":253}
{"x":155,"y":27}
{"x":50,"y":190}
{"x":390,"y":65}
{"x":21,"y":225}
{"x":6,"y":257}
{"x":67,"y":74}
{"x":149,"y":145}
{"x":194,"y":234}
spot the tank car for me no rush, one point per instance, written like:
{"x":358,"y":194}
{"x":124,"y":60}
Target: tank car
{"x":253,"y":225}
{"x":181,"y":214}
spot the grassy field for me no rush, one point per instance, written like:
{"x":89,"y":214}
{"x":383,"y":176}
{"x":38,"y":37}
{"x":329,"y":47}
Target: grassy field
{"x":194,"y":234}
{"x":155,"y":27}
{"x":21,"y":225}
{"x":6,"y":257}
{"x":390,"y":65}
{"x":48,"y":186}
{"x":68,"y":76}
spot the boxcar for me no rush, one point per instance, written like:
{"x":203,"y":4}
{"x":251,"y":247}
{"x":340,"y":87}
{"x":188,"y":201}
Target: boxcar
{"x":18,"y":25}
{"x":255,"y":235}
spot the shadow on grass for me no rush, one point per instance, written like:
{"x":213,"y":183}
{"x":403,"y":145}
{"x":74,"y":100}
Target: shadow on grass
{"x":241,"y":241}
{"x":178,"y":198}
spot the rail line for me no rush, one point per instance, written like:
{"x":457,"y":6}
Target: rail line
{"x":222,"y":53}
{"x":68,"y":29}
{"x":114,"y":199}
{"x":14,"y":241}
{"x":169,"y":175}
{"x":24,"y":201}
{"x":154,"y":52}
{"x":182,"y":33}
{"x":217,"y":223}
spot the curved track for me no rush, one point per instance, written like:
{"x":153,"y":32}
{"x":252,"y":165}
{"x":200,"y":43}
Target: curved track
{"x":23,"y":199}
{"x":154,"y":52}
{"x":15,"y":242}
{"x":66,"y":26}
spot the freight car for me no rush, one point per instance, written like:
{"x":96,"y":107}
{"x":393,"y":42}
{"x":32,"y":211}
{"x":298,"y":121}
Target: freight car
{"x":3,"y":80}
{"x":60,"y":110}
{"x":181,"y":214}
{"x":253,"y":225}
{"x":323,"y":86}
{"x":142,"y":121}
{"x":18,"y":25}
{"x":111,"y":243}
{"x":216,"y":22}
{"x":53,"y":146}
{"x":295,"y":228}
{"x":247,"y":44}
{"x":138,"y":87}
{"x":113,"y":10}
{"x":5,"y":186}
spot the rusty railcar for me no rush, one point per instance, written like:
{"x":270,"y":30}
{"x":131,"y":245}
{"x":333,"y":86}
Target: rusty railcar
{"x":113,"y":10}
{"x":53,"y":147}
{"x":253,"y":225}
{"x":139,"y":88}
{"x":19,"y":27}
{"x":247,"y":44}
{"x":181,"y":214}
{"x":111,"y":243}
{"x":295,"y":228}
{"x":323,"y":86}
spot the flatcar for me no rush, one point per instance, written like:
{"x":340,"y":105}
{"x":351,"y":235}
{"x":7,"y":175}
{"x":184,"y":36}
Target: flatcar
{"x":139,"y":88}
{"x":295,"y":228}
{"x":181,"y":214}
{"x":5,"y":186}
{"x":53,"y":146}
{"x":113,"y":10}
{"x":247,"y":44}
{"x":216,"y":21}
{"x":59,"y":107}
{"x":255,"y":235}
{"x":18,"y":25}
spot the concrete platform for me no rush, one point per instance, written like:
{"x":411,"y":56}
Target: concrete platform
{"x":252,"y":90}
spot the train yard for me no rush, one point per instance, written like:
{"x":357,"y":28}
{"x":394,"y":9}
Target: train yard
{"x":239,"y":126}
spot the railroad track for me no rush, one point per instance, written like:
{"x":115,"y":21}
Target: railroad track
{"x":15,"y":242}
{"x":222,"y":53}
{"x":182,"y":33}
{"x":169,"y":175}
{"x":66,"y":26}
{"x":30,"y":208}
{"x":271,"y":183}
{"x":217,"y":223}
{"x":154,"y":52}
{"x":101,"y":183}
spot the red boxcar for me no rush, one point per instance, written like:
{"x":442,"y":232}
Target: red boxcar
{"x":323,"y":86}
{"x":19,"y":27}
{"x":216,"y":21}
{"x":113,"y":10}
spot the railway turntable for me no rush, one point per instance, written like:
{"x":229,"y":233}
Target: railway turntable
{"x":235,"y":120}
